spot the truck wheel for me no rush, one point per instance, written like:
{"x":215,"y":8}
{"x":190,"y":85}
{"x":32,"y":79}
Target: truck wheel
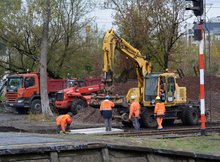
{"x":191,"y":116}
{"x":77,"y":105}
{"x":148,"y":120}
{"x":36,"y":107}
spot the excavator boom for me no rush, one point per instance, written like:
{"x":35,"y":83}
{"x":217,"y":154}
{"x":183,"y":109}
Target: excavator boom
{"x":113,"y":42}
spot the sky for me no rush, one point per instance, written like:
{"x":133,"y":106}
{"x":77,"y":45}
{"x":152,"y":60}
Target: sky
{"x":212,"y":8}
{"x":104,"y":17}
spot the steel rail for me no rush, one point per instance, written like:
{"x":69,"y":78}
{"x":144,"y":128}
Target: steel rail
{"x":178,"y":131}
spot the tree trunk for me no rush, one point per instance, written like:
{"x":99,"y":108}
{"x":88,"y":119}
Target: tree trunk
{"x":43,"y":61}
{"x":166,"y":60}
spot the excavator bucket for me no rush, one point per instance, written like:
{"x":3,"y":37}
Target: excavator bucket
{"x":108,"y":78}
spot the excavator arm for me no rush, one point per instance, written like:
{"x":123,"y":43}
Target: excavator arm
{"x":111,"y":43}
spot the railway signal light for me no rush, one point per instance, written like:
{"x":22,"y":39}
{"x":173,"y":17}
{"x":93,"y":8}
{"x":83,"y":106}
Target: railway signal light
{"x":197,"y":7}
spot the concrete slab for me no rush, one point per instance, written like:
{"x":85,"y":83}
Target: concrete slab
{"x":95,"y":131}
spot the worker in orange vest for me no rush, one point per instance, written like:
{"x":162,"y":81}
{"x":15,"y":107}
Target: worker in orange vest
{"x":106,"y":112}
{"x":134,"y":113}
{"x":159,"y":112}
{"x":63,"y":122}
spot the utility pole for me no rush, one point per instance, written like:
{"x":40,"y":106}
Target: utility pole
{"x":197,"y":9}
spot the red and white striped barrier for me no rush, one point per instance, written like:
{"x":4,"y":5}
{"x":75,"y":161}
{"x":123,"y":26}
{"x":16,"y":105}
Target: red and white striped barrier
{"x":202,"y":89}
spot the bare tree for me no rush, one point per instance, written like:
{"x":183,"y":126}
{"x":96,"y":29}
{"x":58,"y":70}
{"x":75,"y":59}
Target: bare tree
{"x":72,"y":23}
{"x":152,"y":26}
{"x":21,"y":32}
{"x":43,"y":61}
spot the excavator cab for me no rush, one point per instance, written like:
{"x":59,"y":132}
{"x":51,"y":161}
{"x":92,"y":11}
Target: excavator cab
{"x":165,"y":86}
{"x":151,"y":85}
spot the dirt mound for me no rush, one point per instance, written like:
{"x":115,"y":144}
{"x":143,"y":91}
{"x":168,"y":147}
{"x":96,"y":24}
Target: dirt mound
{"x":212,"y":93}
{"x":122,"y":88}
{"x":212,"y":84}
{"x":89,"y":115}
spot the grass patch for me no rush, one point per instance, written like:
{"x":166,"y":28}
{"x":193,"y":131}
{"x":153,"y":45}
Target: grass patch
{"x":201,"y":144}
{"x":39,"y":117}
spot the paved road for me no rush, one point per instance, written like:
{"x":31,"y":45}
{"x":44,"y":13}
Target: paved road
{"x":7,"y":139}
{"x":8,"y":117}
{"x":13,"y":122}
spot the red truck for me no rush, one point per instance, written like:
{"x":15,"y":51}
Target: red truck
{"x":78,"y":95}
{"x":23,"y":91}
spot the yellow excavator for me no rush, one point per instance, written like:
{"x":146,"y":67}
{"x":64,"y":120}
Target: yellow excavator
{"x":150,"y":85}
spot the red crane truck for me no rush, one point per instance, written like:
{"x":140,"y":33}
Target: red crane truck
{"x":78,"y":95}
{"x":23,"y":91}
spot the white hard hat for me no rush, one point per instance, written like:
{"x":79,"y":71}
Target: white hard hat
{"x":133,"y":97}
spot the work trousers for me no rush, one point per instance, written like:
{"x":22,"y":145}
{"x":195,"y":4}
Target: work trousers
{"x":136,"y":124}
{"x":108,"y":124}
{"x":159,"y":122}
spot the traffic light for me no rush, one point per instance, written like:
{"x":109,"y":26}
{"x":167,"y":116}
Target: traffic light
{"x":197,"y":7}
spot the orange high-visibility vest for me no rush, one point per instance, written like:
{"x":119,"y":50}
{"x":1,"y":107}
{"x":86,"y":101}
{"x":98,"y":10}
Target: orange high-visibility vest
{"x":134,"y":109}
{"x":159,"y":109}
{"x":61,"y":120}
{"x":107,"y":105}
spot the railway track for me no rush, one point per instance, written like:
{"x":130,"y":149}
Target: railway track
{"x":169,"y":131}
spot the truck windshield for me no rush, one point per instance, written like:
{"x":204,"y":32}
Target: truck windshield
{"x":14,"y":84}
{"x":70,"y":83}
{"x":150,"y":88}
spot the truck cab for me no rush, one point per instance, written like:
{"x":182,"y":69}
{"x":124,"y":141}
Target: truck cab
{"x":77,"y":95}
{"x":21,"y":89}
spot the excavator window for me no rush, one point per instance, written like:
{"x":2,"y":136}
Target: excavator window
{"x":150,"y":88}
{"x":170,"y":89}
{"x":162,"y":90}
